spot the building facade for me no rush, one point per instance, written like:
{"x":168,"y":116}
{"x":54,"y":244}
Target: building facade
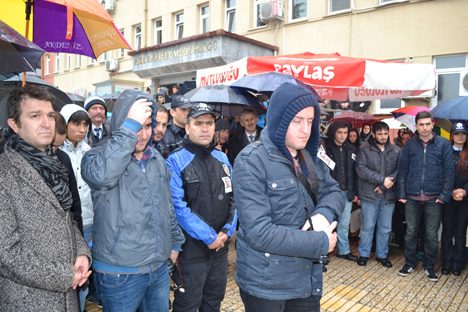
{"x":172,"y":39}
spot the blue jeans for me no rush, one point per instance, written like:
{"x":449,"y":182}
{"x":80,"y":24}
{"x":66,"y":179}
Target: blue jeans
{"x":129,"y":292}
{"x":432,"y":215}
{"x":373,"y":214}
{"x":342,"y":230}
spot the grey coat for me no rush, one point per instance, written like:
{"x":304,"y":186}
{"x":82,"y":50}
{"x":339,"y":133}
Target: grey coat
{"x":39,"y":242}
{"x":373,"y":166}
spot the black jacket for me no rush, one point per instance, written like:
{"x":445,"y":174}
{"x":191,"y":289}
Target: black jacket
{"x":173,"y":137}
{"x":238,"y":141}
{"x":373,"y":166}
{"x":203,"y":199}
{"x":93,"y":140}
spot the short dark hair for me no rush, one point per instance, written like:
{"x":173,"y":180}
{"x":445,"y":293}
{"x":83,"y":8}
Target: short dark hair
{"x":422,"y":115}
{"x":379,"y":126}
{"x":60,"y":124}
{"x":162,"y":109}
{"x":17,"y":97}
{"x":175,"y":86}
{"x":80,"y":116}
{"x":248,"y":111}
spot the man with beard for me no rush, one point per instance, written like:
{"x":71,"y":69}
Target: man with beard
{"x":204,"y":204}
{"x":98,"y":131}
{"x":377,"y":168}
{"x":161,"y":118}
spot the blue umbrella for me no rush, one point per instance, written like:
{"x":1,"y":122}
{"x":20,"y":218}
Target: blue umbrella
{"x":225,"y":100}
{"x":267,"y":83}
{"x":454,"y":109}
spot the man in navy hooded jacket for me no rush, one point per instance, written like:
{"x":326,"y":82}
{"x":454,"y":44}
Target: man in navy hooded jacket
{"x":275,"y":267}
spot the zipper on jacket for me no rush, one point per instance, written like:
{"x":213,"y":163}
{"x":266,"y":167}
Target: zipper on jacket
{"x":424,"y":171}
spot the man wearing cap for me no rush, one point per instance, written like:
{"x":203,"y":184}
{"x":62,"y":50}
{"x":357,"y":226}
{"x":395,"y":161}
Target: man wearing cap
{"x":98,"y":130}
{"x":425,"y":182}
{"x":222,"y":134}
{"x":203,"y":201}
{"x":176,"y":127}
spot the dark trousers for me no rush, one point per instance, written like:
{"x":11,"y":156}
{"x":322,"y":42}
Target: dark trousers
{"x":255,"y":304}
{"x":204,"y":283}
{"x":454,"y":223}
{"x":432,"y":215}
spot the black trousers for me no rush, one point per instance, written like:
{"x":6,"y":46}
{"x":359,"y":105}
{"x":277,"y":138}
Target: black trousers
{"x":204,"y":284}
{"x":454,"y":223}
{"x":255,"y":304}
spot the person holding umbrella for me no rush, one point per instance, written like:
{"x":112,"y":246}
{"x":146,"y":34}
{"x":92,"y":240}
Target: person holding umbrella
{"x":455,"y":212}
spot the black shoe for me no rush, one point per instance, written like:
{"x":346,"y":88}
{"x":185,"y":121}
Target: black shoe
{"x":362,"y":261}
{"x":324,"y":269}
{"x":456,"y":271}
{"x":384,"y":262}
{"x":348,"y":256}
{"x":406,"y":270}
{"x":446,"y":269}
{"x":431,"y":275}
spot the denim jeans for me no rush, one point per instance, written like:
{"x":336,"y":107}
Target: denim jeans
{"x":432,"y":215}
{"x":255,"y":304}
{"x":129,"y":292}
{"x":376,"y":214}
{"x":342,"y":230}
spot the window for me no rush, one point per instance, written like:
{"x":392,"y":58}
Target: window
{"x":57,"y":63}
{"x":231,"y":15}
{"x":449,"y":71}
{"x":121,"y":51}
{"x":68,"y":62}
{"x":204,"y":19}
{"x":158,"y":31}
{"x":91,"y":61}
{"x":297,"y":10}
{"x":137,"y":37}
{"x":257,"y":21}
{"x":338,"y":5}
{"x":78,"y":61}
{"x":179,"y":26}
{"x":47,"y":64}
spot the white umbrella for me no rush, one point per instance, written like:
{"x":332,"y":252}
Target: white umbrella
{"x":393,"y":123}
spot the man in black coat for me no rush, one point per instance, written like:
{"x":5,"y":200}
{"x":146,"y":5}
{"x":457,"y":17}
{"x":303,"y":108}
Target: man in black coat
{"x":248,"y":133}
{"x":343,"y":155}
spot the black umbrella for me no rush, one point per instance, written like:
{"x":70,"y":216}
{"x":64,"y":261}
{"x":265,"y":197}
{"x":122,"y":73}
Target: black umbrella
{"x":17,"y":54}
{"x":225,"y":100}
{"x":76,"y":98}
{"x":61,"y":98}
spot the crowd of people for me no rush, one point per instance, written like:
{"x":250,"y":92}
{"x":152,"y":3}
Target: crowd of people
{"x":158,"y":193}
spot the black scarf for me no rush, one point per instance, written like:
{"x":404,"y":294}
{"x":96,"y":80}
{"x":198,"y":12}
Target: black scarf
{"x":46,"y":163}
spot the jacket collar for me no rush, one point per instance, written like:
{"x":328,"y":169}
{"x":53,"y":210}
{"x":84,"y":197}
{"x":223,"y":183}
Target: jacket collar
{"x":196,"y":149}
{"x":174,"y":127}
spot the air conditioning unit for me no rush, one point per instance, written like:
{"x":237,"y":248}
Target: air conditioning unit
{"x":112,"y":65}
{"x":463,"y":83}
{"x":271,"y":10}
{"x":109,"y":5}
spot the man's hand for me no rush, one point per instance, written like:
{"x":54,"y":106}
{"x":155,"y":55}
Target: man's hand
{"x":331,"y":236}
{"x":439,"y":201}
{"x":378,"y":190}
{"x":458,"y":194}
{"x":388,"y":183}
{"x":355,"y":199}
{"x":218,"y":147}
{"x":402,"y":201}
{"x":82,"y":271}
{"x":217,"y":244}
{"x":174,"y":255}
{"x":319,"y":221}
{"x":140,"y":111}
{"x":224,"y":237}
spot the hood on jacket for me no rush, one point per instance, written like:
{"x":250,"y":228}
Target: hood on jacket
{"x":286,"y":101}
{"x":123,"y":105}
{"x":68,"y":110}
{"x":337,"y":124}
